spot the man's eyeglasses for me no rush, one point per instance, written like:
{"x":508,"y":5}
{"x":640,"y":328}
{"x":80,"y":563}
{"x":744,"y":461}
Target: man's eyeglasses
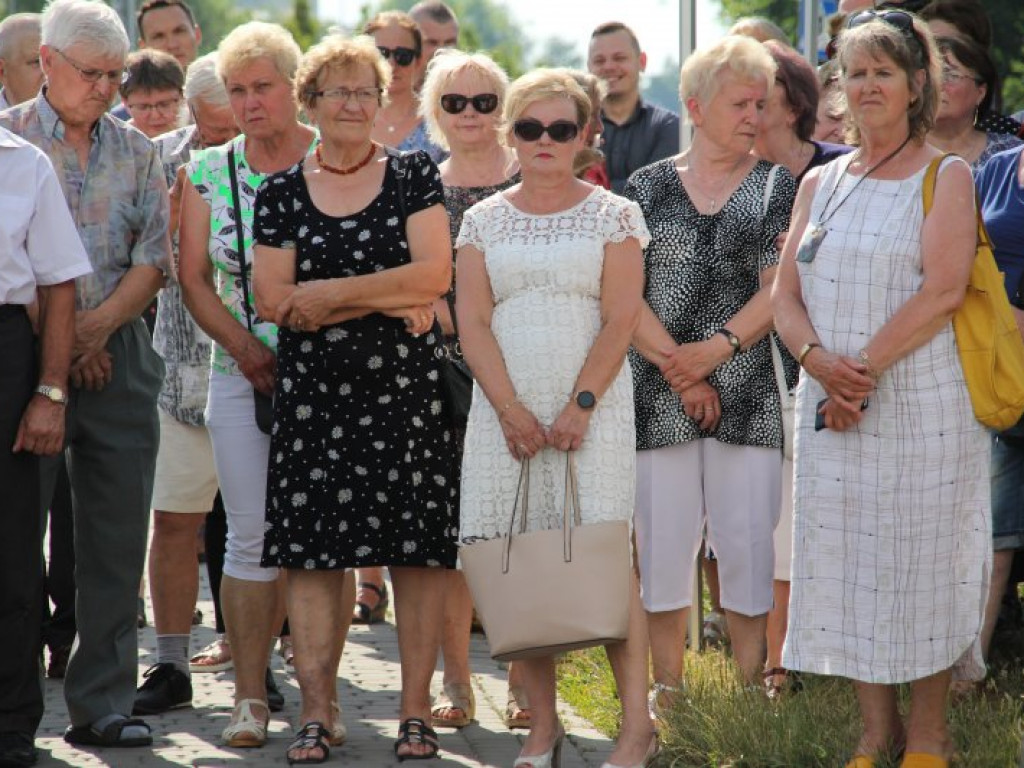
{"x":403,"y":57}
{"x":455,"y":103}
{"x":114,"y":76}
{"x":165,"y":107}
{"x":341,"y":95}
{"x":560,"y":131}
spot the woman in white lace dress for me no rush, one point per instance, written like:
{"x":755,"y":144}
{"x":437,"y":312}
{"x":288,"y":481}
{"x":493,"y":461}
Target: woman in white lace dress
{"x":550,"y":282}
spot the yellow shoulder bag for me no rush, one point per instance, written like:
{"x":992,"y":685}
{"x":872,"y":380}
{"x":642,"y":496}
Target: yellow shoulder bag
{"x":987,"y":338}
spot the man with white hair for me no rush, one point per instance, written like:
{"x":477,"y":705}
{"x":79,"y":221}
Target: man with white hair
{"x":114,"y":187}
{"x":40,"y":256}
{"x":20,"y":74}
{"x":186,"y":481}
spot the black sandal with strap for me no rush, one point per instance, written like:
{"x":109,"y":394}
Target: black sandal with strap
{"x":364,"y":614}
{"x":415,"y":731}
{"x":312,"y":735}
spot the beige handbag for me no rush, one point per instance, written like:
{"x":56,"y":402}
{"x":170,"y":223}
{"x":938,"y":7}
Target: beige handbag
{"x":544,"y":592}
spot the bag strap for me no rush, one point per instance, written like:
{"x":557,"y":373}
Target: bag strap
{"x":769,"y":187}
{"x":522,"y":491}
{"x":570,"y":509}
{"x":572,"y":499}
{"x":931,"y":178}
{"x":777,"y":366}
{"x":243,"y":267}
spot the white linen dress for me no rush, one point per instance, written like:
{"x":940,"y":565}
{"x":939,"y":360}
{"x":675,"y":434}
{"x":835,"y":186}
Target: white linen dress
{"x":545,"y":273}
{"x":892,"y":539}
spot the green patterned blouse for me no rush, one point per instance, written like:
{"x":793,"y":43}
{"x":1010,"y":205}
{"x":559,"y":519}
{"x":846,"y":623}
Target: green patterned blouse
{"x":208,"y":172}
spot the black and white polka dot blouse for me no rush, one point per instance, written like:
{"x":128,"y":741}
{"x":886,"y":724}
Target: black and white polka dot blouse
{"x":699,"y":272}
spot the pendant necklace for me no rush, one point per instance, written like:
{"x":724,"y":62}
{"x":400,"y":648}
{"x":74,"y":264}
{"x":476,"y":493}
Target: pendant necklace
{"x":721,"y":187}
{"x":815,"y":233}
{"x":346,"y":171}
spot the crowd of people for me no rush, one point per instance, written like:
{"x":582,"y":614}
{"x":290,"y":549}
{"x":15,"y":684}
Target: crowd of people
{"x":742,"y":350}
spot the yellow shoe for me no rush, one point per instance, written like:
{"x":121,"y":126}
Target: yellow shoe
{"x":923,"y":760}
{"x":861,"y":761}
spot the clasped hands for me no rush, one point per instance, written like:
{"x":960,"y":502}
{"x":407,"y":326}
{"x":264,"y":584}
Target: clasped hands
{"x":525,"y":436}
{"x":847,"y":383}
{"x":686,"y":368}
{"x":91,"y":364}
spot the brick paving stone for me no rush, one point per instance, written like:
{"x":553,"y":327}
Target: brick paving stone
{"x":369,"y":692}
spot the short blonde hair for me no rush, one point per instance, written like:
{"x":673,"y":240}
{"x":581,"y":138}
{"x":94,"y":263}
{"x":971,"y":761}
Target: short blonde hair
{"x":258,"y":40}
{"x":339,"y":53}
{"x":879,"y":38}
{"x":540,"y":85}
{"x":447,"y":64}
{"x":746,"y":58}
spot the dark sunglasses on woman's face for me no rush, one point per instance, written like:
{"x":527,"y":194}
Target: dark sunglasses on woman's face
{"x":403,"y":56}
{"x":455,"y":103}
{"x":561,"y":131}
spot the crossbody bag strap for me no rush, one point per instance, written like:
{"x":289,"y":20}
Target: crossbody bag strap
{"x":243,"y":267}
{"x":777,"y":366}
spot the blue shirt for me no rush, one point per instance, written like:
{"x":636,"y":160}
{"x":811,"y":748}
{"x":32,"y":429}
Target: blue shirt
{"x":1002,"y":208}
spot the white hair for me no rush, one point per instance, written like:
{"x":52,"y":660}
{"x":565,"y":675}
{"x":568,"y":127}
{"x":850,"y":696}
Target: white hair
{"x":90,"y":22}
{"x":14,"y":28}
{"x":202,"y":83}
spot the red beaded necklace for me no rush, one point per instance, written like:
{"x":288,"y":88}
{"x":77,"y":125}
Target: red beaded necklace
{"x":346,"y":171}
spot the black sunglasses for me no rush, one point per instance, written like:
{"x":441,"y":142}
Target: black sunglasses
{"x":403,"y":56}
{"x":531,"y":130}
{"x":900,"y":20}
{"x":455,"y":103}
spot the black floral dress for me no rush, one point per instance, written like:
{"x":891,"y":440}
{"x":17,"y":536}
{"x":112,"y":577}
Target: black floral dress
{"x":362,"y":469}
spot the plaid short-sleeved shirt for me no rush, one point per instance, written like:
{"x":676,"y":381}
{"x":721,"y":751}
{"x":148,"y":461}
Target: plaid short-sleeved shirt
{"x":119,"y":202}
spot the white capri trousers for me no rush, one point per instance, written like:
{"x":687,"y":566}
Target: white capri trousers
{"x":733,"y":490}
{"x":240,"y":453}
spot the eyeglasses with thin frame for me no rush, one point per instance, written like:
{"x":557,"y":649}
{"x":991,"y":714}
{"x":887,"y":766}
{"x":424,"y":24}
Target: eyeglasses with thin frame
{"x":951,"y":76}
{"x":165,"y":107}
{"x":456,"y":103}
{"x":344,"y":95}
{"x":402,"y":56}
{"x":560,"y":131}
{"x":114,"y":76}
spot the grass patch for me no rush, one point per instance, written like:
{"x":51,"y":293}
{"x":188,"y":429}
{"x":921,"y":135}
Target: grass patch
{"x":721,"y":725}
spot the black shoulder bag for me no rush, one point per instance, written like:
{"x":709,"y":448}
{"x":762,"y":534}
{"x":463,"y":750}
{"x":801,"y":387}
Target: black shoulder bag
{"x":456,"y":378}
{"x":264,"y":403}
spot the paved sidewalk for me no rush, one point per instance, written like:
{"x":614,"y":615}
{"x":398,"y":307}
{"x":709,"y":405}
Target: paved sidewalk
{"x":369,"y":688}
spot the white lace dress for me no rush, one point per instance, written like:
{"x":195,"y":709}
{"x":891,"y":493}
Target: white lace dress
{"x":545,"y":273}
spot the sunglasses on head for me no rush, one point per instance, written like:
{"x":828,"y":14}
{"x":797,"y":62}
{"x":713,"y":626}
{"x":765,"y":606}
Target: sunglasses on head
{"x":455,"y":103}
{"x":896,"y":19}
{"x":402,"y":56}
{"x":560,"y":131}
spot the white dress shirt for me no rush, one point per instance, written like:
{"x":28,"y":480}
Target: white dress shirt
{"x":39,"y":244}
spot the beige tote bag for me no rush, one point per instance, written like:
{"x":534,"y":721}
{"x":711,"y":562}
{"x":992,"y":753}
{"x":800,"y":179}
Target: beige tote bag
{"x":545,"y":592}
